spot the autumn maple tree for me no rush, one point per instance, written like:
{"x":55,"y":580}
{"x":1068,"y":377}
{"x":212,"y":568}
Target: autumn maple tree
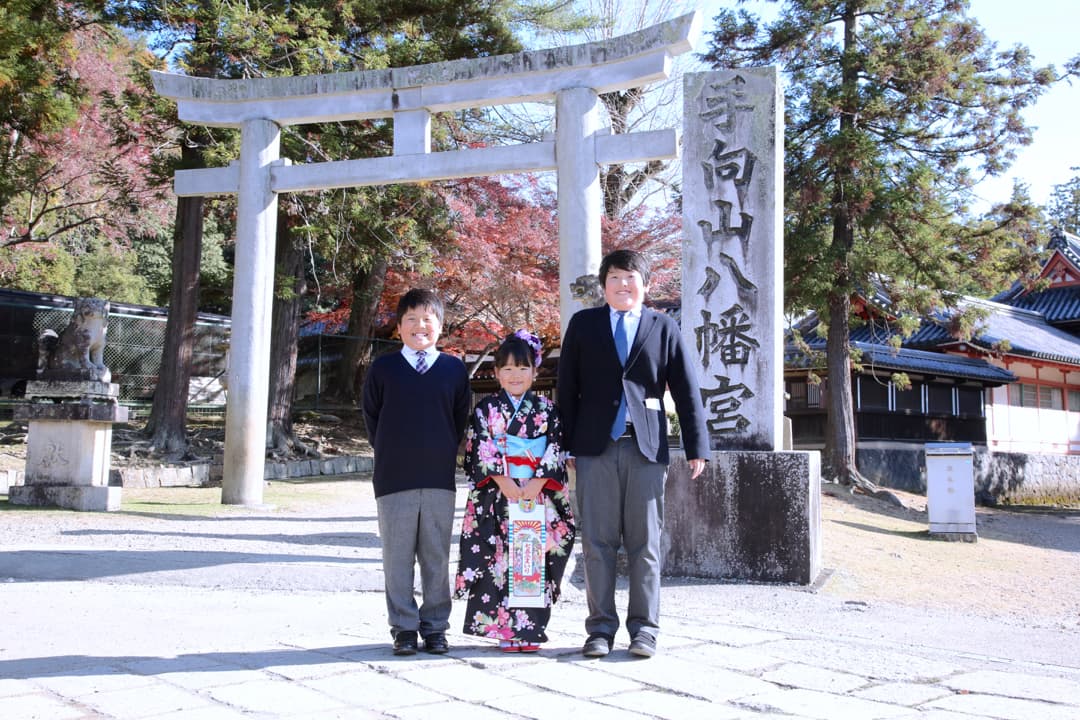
{"x":83,"y":189}
{"x":498,"y":267}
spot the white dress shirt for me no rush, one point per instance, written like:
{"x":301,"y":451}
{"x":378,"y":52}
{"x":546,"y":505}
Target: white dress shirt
{"x":413,"y":357}
{"x":630,"y":324}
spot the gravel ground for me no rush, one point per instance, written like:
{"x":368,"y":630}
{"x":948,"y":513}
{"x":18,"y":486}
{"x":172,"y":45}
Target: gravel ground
{"x":1022,"y":571}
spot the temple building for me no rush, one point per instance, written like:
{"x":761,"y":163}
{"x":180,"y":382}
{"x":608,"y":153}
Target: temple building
{"x":1012,"y":389}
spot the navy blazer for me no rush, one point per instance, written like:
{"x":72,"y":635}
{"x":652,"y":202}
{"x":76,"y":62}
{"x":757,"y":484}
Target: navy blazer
{"x":591,"y":381}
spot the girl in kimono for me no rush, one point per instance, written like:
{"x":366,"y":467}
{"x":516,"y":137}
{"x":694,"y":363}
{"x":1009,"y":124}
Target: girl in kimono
{"x":500,"y":471}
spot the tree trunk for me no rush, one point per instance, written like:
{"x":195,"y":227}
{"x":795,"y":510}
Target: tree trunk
{"x":840,"y":423}
{"x":167,"y":426}
{"x":619,"y":183}
{"x":367,"y":289}
{"x":290,"y":286}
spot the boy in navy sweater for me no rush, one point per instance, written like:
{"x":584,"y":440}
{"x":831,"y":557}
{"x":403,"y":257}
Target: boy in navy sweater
{"x":416,"y":405}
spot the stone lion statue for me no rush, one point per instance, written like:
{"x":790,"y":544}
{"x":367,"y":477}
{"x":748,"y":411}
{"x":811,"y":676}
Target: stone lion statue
{"x":76,"y":352}
{"x":588,"y":291}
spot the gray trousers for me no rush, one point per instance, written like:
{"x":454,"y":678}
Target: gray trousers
{"x":416,"y":526}
{"x":621,"y":501}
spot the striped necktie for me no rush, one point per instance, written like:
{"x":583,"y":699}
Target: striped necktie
{"x":421,"y":362}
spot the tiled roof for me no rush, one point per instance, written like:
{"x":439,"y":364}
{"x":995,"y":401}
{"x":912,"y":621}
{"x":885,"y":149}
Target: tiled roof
{"x":876,"y":356}
{"x":1057,"y":305}
{"x":1067,"y":243}
{"x":932,"y":363}
{"x":1027,"y":333}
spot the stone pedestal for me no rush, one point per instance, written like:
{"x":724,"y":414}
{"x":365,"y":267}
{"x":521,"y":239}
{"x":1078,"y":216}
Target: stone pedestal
{"x":68,"y":444}
{"x":752,"y":516}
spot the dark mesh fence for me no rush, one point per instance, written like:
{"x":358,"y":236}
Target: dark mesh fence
{"x":318,"y":363}
{"x":136,"y":336}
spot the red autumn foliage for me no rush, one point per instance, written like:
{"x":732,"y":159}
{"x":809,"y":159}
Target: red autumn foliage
{"x":92,"y":178}
{"x":499,"y":270}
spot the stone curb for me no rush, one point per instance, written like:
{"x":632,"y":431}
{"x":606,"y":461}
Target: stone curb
{"x":207,"y":473}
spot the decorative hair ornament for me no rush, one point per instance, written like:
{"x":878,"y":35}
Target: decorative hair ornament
{"x":533,"y":342}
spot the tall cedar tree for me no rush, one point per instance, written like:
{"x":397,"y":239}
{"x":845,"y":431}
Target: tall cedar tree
{"x":191,"y":27}
{"x":892,"y":109}
{"x":1064,"y":207}
{"x":290,"y":284}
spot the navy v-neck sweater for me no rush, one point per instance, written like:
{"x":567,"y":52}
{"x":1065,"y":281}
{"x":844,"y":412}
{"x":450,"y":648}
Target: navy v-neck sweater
{"x":415,"y":422}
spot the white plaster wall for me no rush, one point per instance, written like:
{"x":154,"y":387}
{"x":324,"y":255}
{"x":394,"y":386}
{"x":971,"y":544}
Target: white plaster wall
{"x":1027,"y":429}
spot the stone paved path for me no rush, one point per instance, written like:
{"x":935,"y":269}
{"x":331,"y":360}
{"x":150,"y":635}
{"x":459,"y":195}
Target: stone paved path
{"x":263,"y":616}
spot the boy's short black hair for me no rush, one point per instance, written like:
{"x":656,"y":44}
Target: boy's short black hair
{"x":514,"y":350}
{"x":420,"y":298}
{"x":624,"y":260}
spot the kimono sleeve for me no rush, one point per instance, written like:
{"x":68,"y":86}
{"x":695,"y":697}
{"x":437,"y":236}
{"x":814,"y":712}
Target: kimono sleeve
{"x":553,"y":465}
{"x":481,"y":457}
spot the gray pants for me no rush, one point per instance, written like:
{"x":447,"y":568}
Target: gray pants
{"x":416,"y":526}
{"x":621,"y":502}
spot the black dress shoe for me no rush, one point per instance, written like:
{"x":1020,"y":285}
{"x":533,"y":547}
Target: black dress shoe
{"x":643,"y":645}
{"x":598,"y":645}
{"x":405,"y":642}
{"x":436,"y":644}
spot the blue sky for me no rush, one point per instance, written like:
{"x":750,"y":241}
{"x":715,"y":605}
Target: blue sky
{"x":1051,"y":30}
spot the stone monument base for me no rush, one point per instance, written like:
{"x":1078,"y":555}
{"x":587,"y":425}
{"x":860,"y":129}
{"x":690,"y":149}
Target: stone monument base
{"x":751,"y":515}
{"x":70,"y":497}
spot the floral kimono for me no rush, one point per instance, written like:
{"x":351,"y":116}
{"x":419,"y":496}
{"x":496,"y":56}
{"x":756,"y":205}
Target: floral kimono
{"x":482,"y":570}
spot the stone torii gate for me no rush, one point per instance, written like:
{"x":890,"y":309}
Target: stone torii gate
{"x":572,"y":76}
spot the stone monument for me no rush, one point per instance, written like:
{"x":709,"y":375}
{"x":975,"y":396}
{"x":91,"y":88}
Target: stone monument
{"x":72,"y":406}
{"x":755,"y":512}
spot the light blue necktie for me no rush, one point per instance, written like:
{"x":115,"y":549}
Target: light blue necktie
{"x":623,"y":350}
{"x":421,"y":362}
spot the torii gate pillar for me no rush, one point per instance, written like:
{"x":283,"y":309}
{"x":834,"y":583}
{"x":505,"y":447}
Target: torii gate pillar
{"x":580,"y":200}
{"x":249,"y":372}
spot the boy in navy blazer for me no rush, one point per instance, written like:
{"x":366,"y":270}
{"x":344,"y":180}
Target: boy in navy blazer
{"x":416,"y":405}
{"x":615,"y":365}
